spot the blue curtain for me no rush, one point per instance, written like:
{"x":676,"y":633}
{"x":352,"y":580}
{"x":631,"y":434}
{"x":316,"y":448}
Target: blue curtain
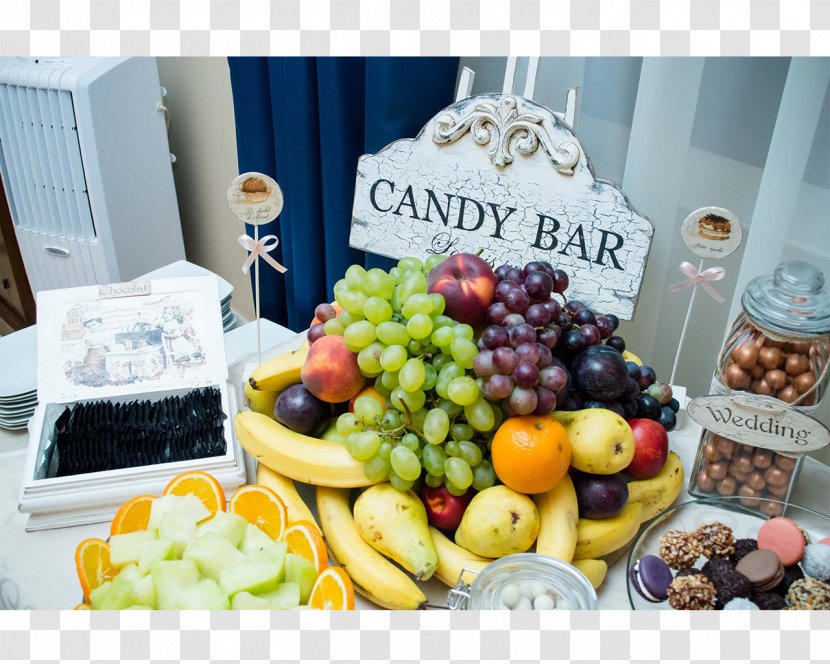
{"x":305,"y":122}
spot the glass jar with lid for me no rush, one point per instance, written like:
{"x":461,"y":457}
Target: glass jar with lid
{"x":524,"y":581}
{"x":779,"y":344}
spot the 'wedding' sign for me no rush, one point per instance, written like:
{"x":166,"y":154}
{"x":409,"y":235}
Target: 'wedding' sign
{"x":503,"y":175}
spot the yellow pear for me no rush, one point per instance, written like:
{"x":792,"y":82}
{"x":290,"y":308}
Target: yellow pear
{"x":260,"y":401}
{"x":601,"y":441}
{"x":497,"y":522}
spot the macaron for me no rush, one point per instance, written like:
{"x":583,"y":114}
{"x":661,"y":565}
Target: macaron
{"x":784,"y":537}
{"x":651,"y":578}
{"x":763,"y":569}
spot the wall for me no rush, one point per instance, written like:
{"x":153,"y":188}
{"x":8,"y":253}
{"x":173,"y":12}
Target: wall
{"x":202,"y":136}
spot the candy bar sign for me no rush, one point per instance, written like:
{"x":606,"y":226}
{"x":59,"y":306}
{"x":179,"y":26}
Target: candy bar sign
{"x":505,"y":176}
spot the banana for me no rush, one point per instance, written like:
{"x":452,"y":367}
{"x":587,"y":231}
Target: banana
{"x":659,"y":492}
{"x":599,"y":537}
{"x":279,"y":372}
{"x":302,"y":458}
{"x":285,"y":489}
{"x":558,"y":516}
{"x":374,"y":576}
{"x":452,"y":559}
{"x":594,"y":570}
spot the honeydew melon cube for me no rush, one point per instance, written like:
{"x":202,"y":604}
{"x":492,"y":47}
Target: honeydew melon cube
{"x":145,"y":591}
{"x":302,"y":572}
{"x":227,"y":524}
{"x":285,"y":596}
{"x":179,"y":528}
{"x":131,"y":573}
{"x":255,"y":540}
{"x":259,"y":573}
{"x":170,"y":579}
{"x":99,"y":594}
{"x":126,"y":548}
{"x":245,"y":601}
{"x":139,"y":607}
{"x":212,"y":554}
{"x":152,"y":551}
{"x":121,"y":595}
{"x":178,"y":505}
{"x":205,"y":595}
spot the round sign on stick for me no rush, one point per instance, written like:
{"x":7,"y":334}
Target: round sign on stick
{"x":255,"y":198}
{"x":712,"y":232}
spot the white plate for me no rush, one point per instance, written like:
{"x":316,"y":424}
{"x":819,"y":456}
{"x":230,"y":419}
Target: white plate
{"x":186,"y":269}
{"x":18,"y":357}
{"x":20,"y":399}
{"x":17,"y":411}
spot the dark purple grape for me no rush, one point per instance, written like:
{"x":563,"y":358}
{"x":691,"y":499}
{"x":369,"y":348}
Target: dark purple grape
{"x":547,"y":267}
{"x":590,"y":333}
{"x":584,"y":316}
{"x":538,"y":285}
{"x":522,"y":334}
{"x":523,"y":400}
{"x":515,"y":275}
{"x":505,"y":360}
{"x":548,"y":337}
{"x":480,"y":345}
{"x":501,"y":272}
{"x":537,"y":315}
{"x":503,"y":289}
{"x":546,"y":401}
{"x":553,"y":307}
{"x":593,"y":404}
{"x":560,"y":281}
{"x":517,"y":300}
{"x":615,"y":342}
{"x":600,"y":373}
{"x":632,"y":389}
{"x":565,"y":320}
{"x":615,"y":407}
{"x":647,"y":377}
{"x":494,"y":336}
{"x":605,"y":327}
{"x":633,"y":370}
{"x":648,"y":407}
{"x":553,"y":377}
{"x":574,"y":341}
{"x":498,"y":387}
{"x":545,"y":356}
{"x":528,"y":352}
{"x":629,"y":409}
{"x":496,"y":313}
{"x":324,"y":312}
{"x":512,"y":320}
{"x":526,"y":374}
{"x":614,"y":320}
{"x":667,"y":418}
{"x":315,"y":332}
{"x":674,"y":404}
{"x":574,"y":305}
{"x":533,"y":266}
{"x":483,"y":364}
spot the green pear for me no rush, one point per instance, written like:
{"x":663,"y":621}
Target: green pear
{"x":260,"y":401}
{"x":395,"y":524}
{"x":497,"y":522}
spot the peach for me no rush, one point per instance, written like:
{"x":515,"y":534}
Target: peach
{"x":330,"y":371}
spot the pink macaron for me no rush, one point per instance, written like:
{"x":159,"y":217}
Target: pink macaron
{"x":784,"y":538}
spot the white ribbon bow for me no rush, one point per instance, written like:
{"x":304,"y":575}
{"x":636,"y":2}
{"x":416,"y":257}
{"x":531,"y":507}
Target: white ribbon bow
{"x":702,"y":278}
{"x":259,"y":248}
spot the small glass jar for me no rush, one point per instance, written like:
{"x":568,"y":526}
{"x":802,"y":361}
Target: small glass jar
{"x":780,"y":343}
{"x":566,"y":586}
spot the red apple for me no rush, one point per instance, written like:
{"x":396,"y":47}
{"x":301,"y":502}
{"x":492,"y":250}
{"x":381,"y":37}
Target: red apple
{"x":651,"y":448}
{"x":444,"y":511}
{"x":467,"y":283}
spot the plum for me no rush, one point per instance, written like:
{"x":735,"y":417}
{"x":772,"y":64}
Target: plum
{"x":599,"y":496}
{"x":301,"y":411}
{"x":600,"y":373}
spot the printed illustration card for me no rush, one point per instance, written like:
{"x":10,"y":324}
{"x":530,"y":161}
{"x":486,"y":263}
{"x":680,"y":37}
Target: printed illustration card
{"x":129,"y":338}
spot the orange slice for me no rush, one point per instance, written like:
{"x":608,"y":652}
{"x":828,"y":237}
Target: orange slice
{"x":82,"y":607}
{"x":332,"y":591}
{"x":203,"y":486}
{"x":305,"y":540}
{"x":92,"y":562}
{"x":133,"y":515}
{"x":261,"y":507}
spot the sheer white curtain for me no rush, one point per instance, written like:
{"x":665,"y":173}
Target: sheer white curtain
{"x":748,"y":134}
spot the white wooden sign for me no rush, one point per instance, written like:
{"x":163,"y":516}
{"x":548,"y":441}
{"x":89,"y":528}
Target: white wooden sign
{"x":502,"y":174}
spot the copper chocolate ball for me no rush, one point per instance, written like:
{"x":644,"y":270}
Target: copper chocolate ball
{"x":796,"y":364}
{"x":717,"y":470}
{"x":736,"y":378}
{"x":787,"y":394}
{"x":750,"y":495}
{"x":777,"y":491}
{"x":769,"y":358}
{"x":776,"y":379}
{"x":805,"y":381}
{"x":710,"y":452}
{"x":772,"y":509}
{"x":726,"y":447}
{"x":758,"y":371}
{"x":763,"y":387}
{"x":745,"y":464}
{"x":785,"y":463}
{"x":704,"y":482}
{"x":745,"y":355}
{"x":775,"y":476}
{"x":735,"y":472}
{"x":762,"y":459}
{"x":756,"y":481}
{"x":727,"y":486}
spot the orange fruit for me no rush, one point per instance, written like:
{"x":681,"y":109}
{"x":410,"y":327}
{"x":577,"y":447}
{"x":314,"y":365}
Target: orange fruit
{"x":203,"y":486}
{"x":133,"y":515}
{"x":332,"y":591}
{"x":531,"y":453}
{"x":92,"y":562}
{"x":368,"y":392}
{"x":262,"y":507}
{"x":305,"y":540}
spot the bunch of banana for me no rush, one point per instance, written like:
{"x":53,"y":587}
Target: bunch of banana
{"x":558,"y":517}
{"x":280,"y":372}
{"x":599,"y":537}
{"x":284,"y":487}
{"x":658,"y":493}
{"x":453,"y":559}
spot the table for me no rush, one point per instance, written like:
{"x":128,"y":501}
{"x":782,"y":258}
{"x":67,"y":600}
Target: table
{"x":37,"y":570}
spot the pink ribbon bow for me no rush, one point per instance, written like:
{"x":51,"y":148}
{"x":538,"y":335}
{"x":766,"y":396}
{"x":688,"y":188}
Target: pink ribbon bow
{"x":702,"y":278}
{"x":259,"y":248}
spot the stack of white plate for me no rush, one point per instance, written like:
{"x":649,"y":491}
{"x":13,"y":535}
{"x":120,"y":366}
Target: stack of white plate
{"x":18,"y":378}
{"x":185,"y":269}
